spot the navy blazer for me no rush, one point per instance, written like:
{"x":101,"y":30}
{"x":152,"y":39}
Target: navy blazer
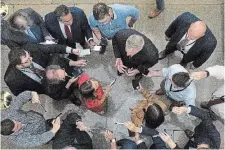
{"x":79,"y":28}
{"x":205,"y":132}
{"x":203,"y":47}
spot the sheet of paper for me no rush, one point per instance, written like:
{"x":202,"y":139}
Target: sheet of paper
{"x":47,"y":42}
{"x":84,"y":52}
{"x":97,"y":48}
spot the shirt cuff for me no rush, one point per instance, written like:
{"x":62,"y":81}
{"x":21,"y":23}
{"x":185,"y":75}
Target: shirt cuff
{"x":140,"y":130}
{"x":188,"y":110}
{"x":89,"y":39}
{"x":69,"y":50}
{"x":139,"y":142}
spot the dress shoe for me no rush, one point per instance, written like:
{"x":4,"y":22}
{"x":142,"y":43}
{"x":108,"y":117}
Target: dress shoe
{"x":204,"y":105}
{"x":159,"y":92}
{"x":189,"y":133}
{"x":154,"y":13}
{"x":162,"y":55}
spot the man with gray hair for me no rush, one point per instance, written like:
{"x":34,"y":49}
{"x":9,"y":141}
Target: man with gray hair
{"x":134,"y":53}
{"x":69,"y":25}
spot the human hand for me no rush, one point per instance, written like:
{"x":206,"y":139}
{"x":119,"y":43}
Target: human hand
{"x":79,"y":63}
{"x":198,"y":75}
{"x":72,"y":80}
{"x":109,"y":135}
{"x":179,"y":110}
{"x":81,"y":126}
{"x":76,"y":51}
{"x":131,"y":126}
{"x":49,"y":38}
{"x":35,"y":98}
{"x":119,"y":65}
{"x":56,"y":125}
{"x":165,"y":137}
{"x":132,"y":72}
{"x":92,"y":43}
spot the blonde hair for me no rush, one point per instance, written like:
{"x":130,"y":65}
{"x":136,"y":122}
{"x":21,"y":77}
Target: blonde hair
{"x":135,"y":41}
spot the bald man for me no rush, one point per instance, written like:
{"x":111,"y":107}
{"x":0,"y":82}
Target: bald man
{"x":189,"y":35}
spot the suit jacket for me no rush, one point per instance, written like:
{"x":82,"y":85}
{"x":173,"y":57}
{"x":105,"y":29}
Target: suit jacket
{"x":17,"y":39}
{"x":147,"y":57}
{"x":35,"y":22}
{"x":59,"y":91}
{"x":203,"y":47}
{"x":159,"y":143}
{"x":68,"y":134}
{"x":205,"y":132}
{"x":19,"y":82}
{"x":79,"y":28}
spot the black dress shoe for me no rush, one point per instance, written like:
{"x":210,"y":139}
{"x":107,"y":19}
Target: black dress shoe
{"x":76,"y":102}
{"x":162,"y":55}
{"x":204,"y":105}
{"x":189,"y":133}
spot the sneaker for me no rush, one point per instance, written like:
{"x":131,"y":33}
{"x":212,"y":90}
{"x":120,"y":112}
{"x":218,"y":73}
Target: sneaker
{"x":189,"y":133}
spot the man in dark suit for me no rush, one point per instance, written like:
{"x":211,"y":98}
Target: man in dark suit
{"x":17,"y":39}
{"x":27,"y":68}
{"x":72,"y":134}
{"x":69,"y":26}
{"x":192,"y":38}
{"x":205,"y":134}
{"x":30,"y":22}
{"x":133,"y":51}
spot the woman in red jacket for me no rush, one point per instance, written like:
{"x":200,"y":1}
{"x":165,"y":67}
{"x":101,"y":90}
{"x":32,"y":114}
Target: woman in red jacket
{"x":93,"y":95}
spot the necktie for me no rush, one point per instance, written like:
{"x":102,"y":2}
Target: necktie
{"x":68,"y":34}
{"x":40,"y":73}
{"x":182,"y":44}
{"x":30,"y":33}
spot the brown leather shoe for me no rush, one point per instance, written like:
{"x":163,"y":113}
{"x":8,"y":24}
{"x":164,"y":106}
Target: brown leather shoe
{"x":159,"y":92}
{"x":162,"y":55}
{"x":154,"y":13}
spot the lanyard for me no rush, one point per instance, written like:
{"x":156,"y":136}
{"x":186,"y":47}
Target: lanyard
{"x":180,"y":89}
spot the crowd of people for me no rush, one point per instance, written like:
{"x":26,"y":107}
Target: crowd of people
{"x":46,"y":58}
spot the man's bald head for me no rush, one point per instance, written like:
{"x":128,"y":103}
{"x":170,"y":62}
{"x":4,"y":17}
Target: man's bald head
{"x":196,"y":30}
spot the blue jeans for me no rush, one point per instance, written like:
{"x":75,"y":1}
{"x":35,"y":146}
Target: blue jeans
{"x":160,"y":4}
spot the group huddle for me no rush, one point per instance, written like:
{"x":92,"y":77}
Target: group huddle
{"x":47,"y":56}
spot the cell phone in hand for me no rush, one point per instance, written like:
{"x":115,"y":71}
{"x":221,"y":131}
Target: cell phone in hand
{"x":143,"y":70}
{"x":135,"y":84}
{"x":77,"y":72}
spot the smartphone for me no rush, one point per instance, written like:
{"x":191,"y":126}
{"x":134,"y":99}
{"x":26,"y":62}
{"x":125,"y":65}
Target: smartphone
{"x":135,"y":84}
{"x":143,"y":70}
{"x":77,"y":72}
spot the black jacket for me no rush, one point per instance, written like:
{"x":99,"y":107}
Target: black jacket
{"x":19,"y":82}
{"x":16,"y":39}
{"x":147,"y":57}
{"x":203,"y":47}
{"x":59,"y":91}
{"x":79,"y":28}
{"x":205,"y":132}
{"x":159,"y":143}
{"x":68,"y":134}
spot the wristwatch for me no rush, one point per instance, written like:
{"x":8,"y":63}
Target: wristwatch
{"x":113,"y":141}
